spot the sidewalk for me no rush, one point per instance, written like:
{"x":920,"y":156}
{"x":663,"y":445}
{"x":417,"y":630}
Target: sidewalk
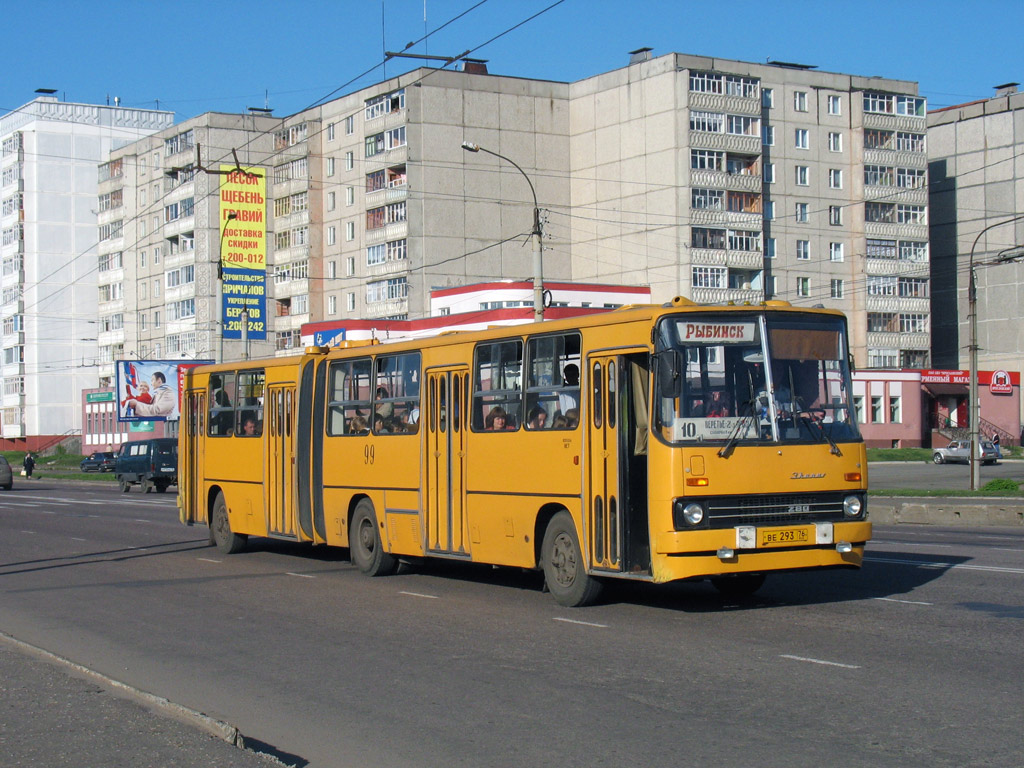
{"x":54,"y":715}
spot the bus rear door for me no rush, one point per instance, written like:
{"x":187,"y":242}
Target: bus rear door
{"x":191,"y":461}
{"x":446,"y":420}
{"x":280,"y":458}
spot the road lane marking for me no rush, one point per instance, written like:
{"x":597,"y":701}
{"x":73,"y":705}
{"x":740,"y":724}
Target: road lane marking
{"x":905,"y":602}
{"x":30,"y":533}
{"x":913,"y":544}
{"x":1006,"y":549}
{"x":76,"y":538}
{"x":950,"y":566}
{"x":299,"y":575}
{"x":419,"y":594}
{"x":581,"y":623}
{"x":208,"y":560}
{"x":819,"y":661}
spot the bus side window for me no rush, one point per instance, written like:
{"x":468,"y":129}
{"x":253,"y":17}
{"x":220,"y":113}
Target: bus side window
{"x":553,"y":381}
{"x":221,"y":399}
{"x":498,"y":383}
{"x":348,"y":406}
{"x":396,"y":403}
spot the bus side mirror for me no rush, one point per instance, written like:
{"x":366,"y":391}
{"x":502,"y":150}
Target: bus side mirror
{"x":850,"y":362}
{"x":668,"y":373}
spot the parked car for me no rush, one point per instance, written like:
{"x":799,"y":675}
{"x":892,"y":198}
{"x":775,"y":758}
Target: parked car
{"x":99,"y":462}
{"x":959,"y":451}
{"x":6,"y":475}
{"x":149,"y":463}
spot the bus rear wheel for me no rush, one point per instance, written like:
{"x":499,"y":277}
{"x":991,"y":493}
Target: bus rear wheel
{"x":365,"y":547}
{"x":565,"y":573}
{"x":226,"y":540}
{"x":741,"y":585}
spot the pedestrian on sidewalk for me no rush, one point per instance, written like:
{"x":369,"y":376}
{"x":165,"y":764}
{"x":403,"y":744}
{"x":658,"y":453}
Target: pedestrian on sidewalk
{"x":995,"y":442}
{"x":29,"y":463}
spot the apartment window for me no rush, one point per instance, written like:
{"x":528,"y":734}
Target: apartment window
{"x":332,"y":235}
{"x":913,"y":287}
{"x":708,"y":122}
{"x":895,"y":410}
{"x":803,"y":287}
{"x":350,"y":302}
{"x":742,"y":125}
{"x":350,"y":125}
{"x":330,"y":131}
{"x":884,"y":213}
{"x":910,"y":178}
{"x":769,"y":173}
{"x":803,"y":175}
{"x":767,"y":98}
{"x":156,"y":288}
{"x":802,"y":216}
{"x":350,"y":161}
{"x":282,"y":206}
{"x":332,"y":269}
{"x":803,"y":250}
{"x":142,"y":258}
{"x":876,"y":409}
{"x":350,"y":195}
{"x":701,"y":237}
{"x":769,"y":210}
{"x":883,"y":358}
{"x":882,"y":285}
{"x":835,"y":105}
{"x":384,"y":104}
{"x":387,"y":290}
{"x":858,"y":407}
{"x":707,"y":199}
{"x":740,"y":240}
{"x":910,"y":214}
{"x":913,"y":322}
{"x":910,"y":105}
{"x":800,"y":101}
{"x":768,"y":135}
{"x":705,"y":159}
{"x":769,"y":248}
{"x":879,"y":103}
{"x":878,"y":175}
{"x":350,"y":266}
{"x":835,"y":141}
{"x":330,"y":167}
{"x":332,"y":305}
{"x":835,"y":252}
{"x":709,"y":277}
{"x":882,"y":322}
{"x":836,"y":289}
{"x":881,"y":249}
{"x":835,"y":215}
{"x":835,"y":178}
{"x":350,"y":231}
{"x":913,"y":251}
{"x":332,"y":201}
{"x":910,"y":142}
{"x":878,"y":139}
{"x":706,"y":82}
{"x":802,"y":138}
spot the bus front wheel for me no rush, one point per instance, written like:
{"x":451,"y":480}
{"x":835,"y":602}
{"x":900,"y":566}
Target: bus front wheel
{"x":565,"y":573}
{"x":741,"y":585}
{"x":226,"y":540}
{"x":365,"y":547}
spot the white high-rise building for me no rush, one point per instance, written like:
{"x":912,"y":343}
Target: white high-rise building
{"x":48,"y":258}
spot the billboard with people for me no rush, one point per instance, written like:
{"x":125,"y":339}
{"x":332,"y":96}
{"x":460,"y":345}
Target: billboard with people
{"x":149,"y":390}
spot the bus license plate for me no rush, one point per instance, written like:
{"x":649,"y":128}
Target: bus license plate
{"x":782,"y":537}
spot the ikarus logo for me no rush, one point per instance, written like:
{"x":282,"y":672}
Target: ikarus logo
{"x":806,"y":476}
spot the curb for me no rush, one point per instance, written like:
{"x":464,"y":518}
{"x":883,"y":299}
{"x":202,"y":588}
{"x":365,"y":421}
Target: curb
{"x":946,"y":511}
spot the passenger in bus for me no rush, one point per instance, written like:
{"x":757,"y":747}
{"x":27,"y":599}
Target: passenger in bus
{"x":720,"y":405}
{"x":559,"y":422}
{"x":497,"y":420}
{"x":249,"y":426}
{"x":384,"y":409}
{"x":571,"y":398}
{"x":537,"y":418}
{"x":572,"y":418}
{"x":357,"y":426}
{"x":378,"y":423}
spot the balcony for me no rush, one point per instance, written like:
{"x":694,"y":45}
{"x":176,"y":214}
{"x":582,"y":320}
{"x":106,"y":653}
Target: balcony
{"x":726,"y":295}
{"x":898,"y":304}
{"x":731,"y":219}
{"x":396,"y":230}
{"x":746,"y":145}
{"x":381,"y":197}
{"x":894,"y":340}
{"x":892,"y":194}
{"x":896,"y":231}
{"x":385,"y":122}
{"x":737,"y":182}
{"x":902,"y":267}
{"x":720,"y":102}
{"x":892,"y":158}
{"x":395,"y":156}
{"x":400,"y":266}
{"x":387,"y":308}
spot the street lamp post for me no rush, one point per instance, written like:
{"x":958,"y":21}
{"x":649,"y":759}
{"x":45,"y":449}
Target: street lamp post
{"x":538,"y":259}
{"x":218,"y":309}
{"x":972,"y":316}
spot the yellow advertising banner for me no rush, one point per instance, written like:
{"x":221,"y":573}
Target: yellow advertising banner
{"x":243,"y":218}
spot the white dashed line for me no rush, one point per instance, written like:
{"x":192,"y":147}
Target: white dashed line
{"x":299,"y":575}
{"x":76,"y":538}
{"x":208,"y":560}
{"x":819,"y":661}
{"x":419,"y":594}
{"x":905,"y":602}
{"x":581,"y":623}
{"x":950,"y":566}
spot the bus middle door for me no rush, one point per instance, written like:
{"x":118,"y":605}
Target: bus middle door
{"x":604,"y":525}
{"x":447,"y":528}
{"x":280,"y":467}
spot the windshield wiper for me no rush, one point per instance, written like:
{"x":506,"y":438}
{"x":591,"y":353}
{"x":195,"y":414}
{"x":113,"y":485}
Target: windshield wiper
{"x":806,"y":419}
{"x":726,"y":450}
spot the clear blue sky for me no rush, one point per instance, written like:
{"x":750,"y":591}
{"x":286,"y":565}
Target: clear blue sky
{"x":226,"y":55}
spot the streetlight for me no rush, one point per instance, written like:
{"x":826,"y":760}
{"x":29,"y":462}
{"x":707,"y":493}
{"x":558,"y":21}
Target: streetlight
{"x":538,"y":265}
{"x":972,"y":303}
{"x":219,"y":309}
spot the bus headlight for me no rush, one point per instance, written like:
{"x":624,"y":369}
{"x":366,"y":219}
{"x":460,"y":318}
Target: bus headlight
{"x":853,"y":506}
{"x":687,"y":514}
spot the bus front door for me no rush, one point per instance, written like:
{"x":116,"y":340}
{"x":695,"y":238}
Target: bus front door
{"x":189,"y":481}
{"x":280,"y":464}
{"x":604,"y":524}
{"x":447,"y":529}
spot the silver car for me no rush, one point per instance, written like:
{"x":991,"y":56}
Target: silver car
{"x":6,"y":475}
{"x":959,"y":451}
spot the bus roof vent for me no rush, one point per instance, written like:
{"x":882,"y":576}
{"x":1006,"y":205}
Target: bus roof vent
{"x":777,"y":303}
{"x":680,"y":301}
{"x":317,"y":350}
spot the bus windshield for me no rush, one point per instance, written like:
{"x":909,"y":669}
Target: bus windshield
{"x":752,"y":378}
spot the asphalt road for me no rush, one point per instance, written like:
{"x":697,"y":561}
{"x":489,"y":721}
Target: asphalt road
{"x":916,"y":659}
{"x":919,"y":474}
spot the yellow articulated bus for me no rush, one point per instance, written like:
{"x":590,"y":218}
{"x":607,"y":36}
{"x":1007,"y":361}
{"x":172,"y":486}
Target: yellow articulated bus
{"x":654,"y":443}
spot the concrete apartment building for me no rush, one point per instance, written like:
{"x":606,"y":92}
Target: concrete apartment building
{"x":732,"y":181}
{"x":48,"y":187}
{"x":977,"y":183}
